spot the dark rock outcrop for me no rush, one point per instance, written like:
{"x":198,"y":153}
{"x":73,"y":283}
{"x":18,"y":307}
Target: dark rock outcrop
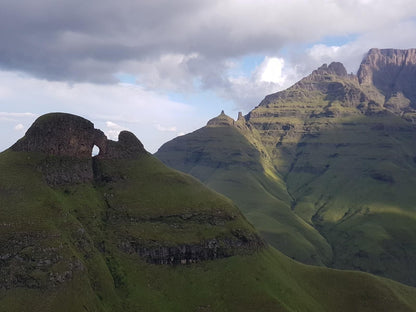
{"x":216,"y":248}
{"x":127,"y":147}
{"x":67,"y":141}
{"x":335,"y":68}
{"x":24,"y":262}
{"x":59,"y":134}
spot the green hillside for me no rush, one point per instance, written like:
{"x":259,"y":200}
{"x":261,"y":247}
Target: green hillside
{"x":123,"y":232}
{"x":224,"y":159}
{"x":338,"y":160}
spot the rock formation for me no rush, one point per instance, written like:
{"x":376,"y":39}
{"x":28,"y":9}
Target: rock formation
{"x":67,"y":141}
{"x":221,"y":120}
{"x":391,"y":71}
{"x":335,"y":68}
{"x":61,"y":134}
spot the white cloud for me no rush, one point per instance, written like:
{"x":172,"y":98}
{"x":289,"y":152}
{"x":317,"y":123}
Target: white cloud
{"x":80,"y":45}
{"x":400,"y":36}
{"x":165,"y":129}
{"x":247,"y":90}
{"x":321,"y":52}
{"x":113,"y":130}
{"x":168,"y":72}
{"x":272,"y":68}
{"x":19,"y":127}
{"x":110,"y":107}
{"x":16,"y":115}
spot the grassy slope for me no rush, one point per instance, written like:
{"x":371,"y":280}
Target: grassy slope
{"x":350,"y":176}
{"x":363,"y":201}
{"x":38,"y":225}
{"x":71,"y":221}
{"x":226,"y":161}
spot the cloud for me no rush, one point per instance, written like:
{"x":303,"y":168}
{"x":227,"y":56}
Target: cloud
{"x":247,"y":90}
{"x":93,"y":43}
{"x":165,"y":129}
{"x":69,"y":55}
{"x":272,"y":70}
{"x":113,"y":130}
{"x":110,"y":107}
{"x":400,"y":35}
{"x":19,"y":127}
{"x":16,"y":115}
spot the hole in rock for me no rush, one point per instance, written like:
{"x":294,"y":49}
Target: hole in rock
{"x":95,"y":150}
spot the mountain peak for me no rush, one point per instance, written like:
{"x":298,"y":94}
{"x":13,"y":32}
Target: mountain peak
{"x":62,"y":134}
{"x":392,"y":71}
{"x":221,"y":120}
{"x":335,"y":68}
{"x":67,"y":142}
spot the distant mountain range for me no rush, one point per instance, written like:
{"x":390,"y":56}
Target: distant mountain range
{"x":325,"y":170}
{"x":122,"y":232}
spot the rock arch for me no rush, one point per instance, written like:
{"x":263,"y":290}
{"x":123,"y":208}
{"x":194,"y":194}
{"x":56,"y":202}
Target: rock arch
{"x":72,"y":138}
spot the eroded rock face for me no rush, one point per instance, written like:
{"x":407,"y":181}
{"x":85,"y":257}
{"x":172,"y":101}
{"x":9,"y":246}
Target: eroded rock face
{"x":335,"y":68}
{"x":59,"y":134}
{"x":206,"y":250}
{"x":392,"y":71}
{"x":127,"y":147}
{"x":68,"y":140}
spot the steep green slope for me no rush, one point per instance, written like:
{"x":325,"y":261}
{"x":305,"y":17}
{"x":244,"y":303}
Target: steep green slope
{"x":348,"y":163}
{"x":344,"y":157}
{"x":225,"y":158}
{"x":119,"y":241}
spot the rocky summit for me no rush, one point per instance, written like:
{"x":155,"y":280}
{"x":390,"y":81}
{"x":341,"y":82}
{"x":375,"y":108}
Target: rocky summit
{"x":393,"y":73}
{"x":325,"y":169}
{"x":120,"y":231}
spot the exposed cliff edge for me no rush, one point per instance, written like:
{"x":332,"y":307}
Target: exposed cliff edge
{"x":68,"y":140}
{"x":392,"y":71}
{"x":67,"y":135}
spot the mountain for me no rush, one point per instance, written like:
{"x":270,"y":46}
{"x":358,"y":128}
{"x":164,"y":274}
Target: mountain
{"x":122,"y":232}
{"x":325,"y":170}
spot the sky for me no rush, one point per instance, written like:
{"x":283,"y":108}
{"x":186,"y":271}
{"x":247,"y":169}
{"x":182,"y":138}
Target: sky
{"x":163,"y":68}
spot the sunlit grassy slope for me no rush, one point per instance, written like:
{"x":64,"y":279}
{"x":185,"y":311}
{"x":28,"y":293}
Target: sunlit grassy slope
{"x":341,"y":188}
{"x":61,"y":249}
{"x":225,"y":160}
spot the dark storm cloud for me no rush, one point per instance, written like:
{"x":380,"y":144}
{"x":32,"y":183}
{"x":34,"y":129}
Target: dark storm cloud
{"x":92,"y":40}
{"x":71,"y":40}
